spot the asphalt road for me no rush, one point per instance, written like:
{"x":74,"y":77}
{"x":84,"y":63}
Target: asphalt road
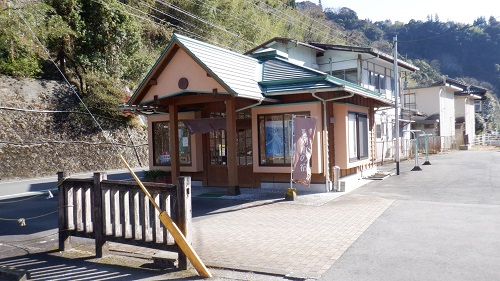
{"x":443,"y":225}
{"x":29,"y":187}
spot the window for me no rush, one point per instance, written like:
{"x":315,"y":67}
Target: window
{"x":244,"y":136}
{"x":409,"y":101}
{"x":382,"y":82}
{"x":275,"y":138}
{"x":357,"y":136}
{"x":379,"y":131}
{"x":161,"y":144}
{"x":377,"y":80}
{"x":478,"y":106}
{"x":350,"y":75}
{"x":218,"y":140}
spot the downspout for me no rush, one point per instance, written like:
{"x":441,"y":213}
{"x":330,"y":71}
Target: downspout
{"x":326,"y":162}
{"x":250,"y":106}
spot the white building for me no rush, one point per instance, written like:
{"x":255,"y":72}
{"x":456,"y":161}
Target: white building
{"x":449,"y":109}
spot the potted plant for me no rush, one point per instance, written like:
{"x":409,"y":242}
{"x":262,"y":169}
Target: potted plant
{"x":161,"y":176}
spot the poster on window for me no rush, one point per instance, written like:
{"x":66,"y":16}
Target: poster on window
{"x":274,"y":138}
{"x":303,"y":136}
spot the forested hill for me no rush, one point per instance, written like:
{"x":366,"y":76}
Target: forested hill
{"x":105,"y":47}
{"x":471,"y":52}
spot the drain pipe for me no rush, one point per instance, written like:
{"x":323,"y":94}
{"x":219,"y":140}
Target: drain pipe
{"x":250,"y":106}
{"x":326,"y":161}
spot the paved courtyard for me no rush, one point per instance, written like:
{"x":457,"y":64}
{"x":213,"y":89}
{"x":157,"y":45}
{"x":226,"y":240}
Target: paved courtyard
{"x":299,"y":239}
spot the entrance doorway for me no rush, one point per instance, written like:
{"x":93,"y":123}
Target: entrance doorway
{"x":216,"y":146}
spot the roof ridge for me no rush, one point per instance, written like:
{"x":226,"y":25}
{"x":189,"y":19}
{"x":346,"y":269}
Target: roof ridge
{"x":181,"y":38}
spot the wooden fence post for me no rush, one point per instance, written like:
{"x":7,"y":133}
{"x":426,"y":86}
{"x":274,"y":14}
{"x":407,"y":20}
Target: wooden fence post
{"x":64,"y":237}
{"x":101,"y":245}
{"x":183,"y":214}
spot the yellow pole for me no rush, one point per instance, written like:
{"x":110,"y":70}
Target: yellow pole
{"x":173,"y":229}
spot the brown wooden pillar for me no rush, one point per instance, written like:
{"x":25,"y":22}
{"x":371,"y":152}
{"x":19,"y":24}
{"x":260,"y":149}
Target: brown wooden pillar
{"x":173,"y":124}
{"x":232,"y":166}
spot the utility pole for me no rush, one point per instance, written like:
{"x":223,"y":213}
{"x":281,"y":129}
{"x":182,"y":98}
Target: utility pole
{"x":396,"y":100}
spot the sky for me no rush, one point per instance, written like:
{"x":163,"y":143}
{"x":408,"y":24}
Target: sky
{"x":460,"y":11}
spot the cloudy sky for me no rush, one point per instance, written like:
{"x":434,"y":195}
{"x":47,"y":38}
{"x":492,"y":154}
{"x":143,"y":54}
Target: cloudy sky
{"x":403,"y":11}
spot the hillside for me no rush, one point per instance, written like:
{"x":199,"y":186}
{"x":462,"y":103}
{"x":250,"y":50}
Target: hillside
{"x":465,"y":52}
{"x":42,"y":131}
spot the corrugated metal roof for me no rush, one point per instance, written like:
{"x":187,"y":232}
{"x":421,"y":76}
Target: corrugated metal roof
{"x":238,"y":72}
{"x":297,"y":87}
{"x":277,"y":69}
{"x":282,"y":77}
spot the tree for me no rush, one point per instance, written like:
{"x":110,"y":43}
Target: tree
{"x":491,"y":112}
{"x":345,"y":17}
{"x":20,"y":52}
{"x":426,"y":76}
{"x":480,"y":123}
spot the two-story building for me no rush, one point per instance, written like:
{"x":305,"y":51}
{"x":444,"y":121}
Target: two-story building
{"x":225,"y":119}
{"x":449,"y":106}
{"x":364,"y":66}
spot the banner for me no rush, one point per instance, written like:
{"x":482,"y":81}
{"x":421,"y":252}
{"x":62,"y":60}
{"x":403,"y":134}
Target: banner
{"x":303,"y":136}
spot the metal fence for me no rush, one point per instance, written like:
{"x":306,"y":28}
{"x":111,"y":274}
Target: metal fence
{"x":435,"y":144}
{"x":487,"y":140}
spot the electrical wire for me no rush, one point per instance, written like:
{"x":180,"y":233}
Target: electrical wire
{"x":69,"y":142}
{"x":201,"y":19}
{"x":179,"y":29}
{"x":30,"y":218}
{"x":328,"y":31}
{"x":54,"y":111}
{"x":106,"y":136}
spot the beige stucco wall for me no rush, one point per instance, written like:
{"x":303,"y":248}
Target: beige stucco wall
{"x":438,"y":100}
{"x":182,"y":65}
{"x":196,"y":143}
{"x":340,"y":115}
{"x":315,"y":109}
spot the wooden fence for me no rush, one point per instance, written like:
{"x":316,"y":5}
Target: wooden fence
{"x":119,"y":211}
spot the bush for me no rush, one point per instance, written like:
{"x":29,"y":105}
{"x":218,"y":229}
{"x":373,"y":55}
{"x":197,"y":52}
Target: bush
{"x":157,"y":176}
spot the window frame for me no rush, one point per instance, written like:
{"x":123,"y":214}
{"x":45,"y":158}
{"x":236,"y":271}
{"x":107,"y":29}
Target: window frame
{"x":184,"y":134}
{"x":410,"y":101}
{"x":357,"y":131}
{"x":287,"y":151}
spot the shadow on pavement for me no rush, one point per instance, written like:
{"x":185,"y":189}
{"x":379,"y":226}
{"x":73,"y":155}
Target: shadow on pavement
{"x":79,"y":265}
{"x":212,"y":206}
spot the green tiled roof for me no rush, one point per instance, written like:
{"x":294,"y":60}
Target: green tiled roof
{"x":265,"y":75}
{"x":238,"y":72}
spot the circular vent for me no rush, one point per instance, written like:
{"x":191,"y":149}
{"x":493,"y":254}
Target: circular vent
{"x":183,"y":83}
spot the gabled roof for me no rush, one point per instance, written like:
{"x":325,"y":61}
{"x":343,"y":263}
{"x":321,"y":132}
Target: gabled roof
{"x":271,"y":42}
{"x":237,"y":73}
{"x":367,"y":50}
{"x":465,"y":89}
{"x":266,"y":74}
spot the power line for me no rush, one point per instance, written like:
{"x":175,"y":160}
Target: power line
{"x":328,"y":29}
{"x":178,"y":28}
{"x":202,"y":20}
